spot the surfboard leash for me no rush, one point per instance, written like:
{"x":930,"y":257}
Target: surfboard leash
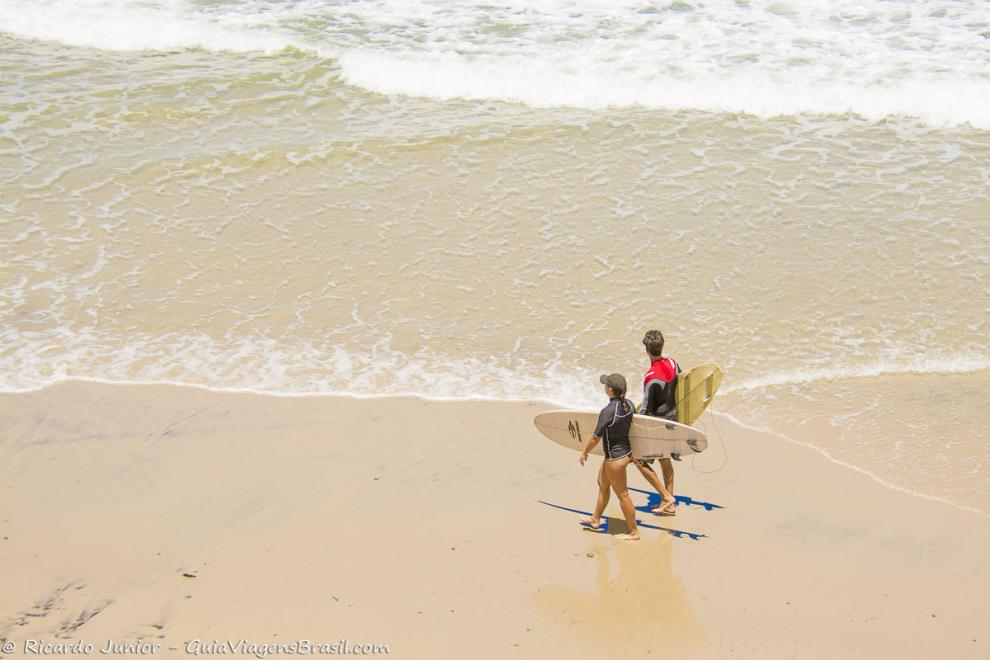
{"x":725,"y":452}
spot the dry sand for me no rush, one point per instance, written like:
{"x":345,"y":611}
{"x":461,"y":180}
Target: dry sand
{"x":173,"y":514}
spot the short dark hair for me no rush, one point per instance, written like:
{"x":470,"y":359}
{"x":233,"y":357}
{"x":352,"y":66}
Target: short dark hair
{"x":653,"y":340}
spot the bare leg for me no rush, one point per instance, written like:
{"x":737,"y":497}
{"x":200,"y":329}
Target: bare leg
{"x":666,"y":499}
{"x":668,"y":474}
{"x":603,"y":497}
{"x":616,"y":471}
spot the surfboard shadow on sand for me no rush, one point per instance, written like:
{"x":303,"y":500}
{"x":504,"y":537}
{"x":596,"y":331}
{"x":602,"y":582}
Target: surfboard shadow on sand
{"x":608,"y":521}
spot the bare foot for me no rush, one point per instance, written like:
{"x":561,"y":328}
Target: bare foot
{"x":592,"y":523}
{"x":627,"y":537}
{"x":665,"y":506}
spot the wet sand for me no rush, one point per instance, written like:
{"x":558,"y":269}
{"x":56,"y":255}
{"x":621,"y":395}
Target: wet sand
{"x":172,"y":514}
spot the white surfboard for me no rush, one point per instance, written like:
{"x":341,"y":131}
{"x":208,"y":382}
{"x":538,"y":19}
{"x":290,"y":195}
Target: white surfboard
{"x":650,"y":437}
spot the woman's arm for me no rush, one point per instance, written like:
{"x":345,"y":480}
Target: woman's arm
{"x":587,"y":450}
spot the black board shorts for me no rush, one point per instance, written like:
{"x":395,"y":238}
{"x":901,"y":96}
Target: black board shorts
{"x":648,"y":462}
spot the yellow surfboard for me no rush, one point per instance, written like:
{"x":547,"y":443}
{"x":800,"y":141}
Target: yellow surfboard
{"x":696,"y":387}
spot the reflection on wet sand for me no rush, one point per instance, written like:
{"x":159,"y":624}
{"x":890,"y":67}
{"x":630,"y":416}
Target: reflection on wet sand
{"x":643,"y":605}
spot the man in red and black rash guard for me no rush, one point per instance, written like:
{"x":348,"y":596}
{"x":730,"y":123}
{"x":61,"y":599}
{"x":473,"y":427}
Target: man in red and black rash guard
{"x":660,"y":380}
{"x":659,"y":385}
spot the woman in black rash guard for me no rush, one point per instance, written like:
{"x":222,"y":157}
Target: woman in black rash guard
{"x":613,"y":431}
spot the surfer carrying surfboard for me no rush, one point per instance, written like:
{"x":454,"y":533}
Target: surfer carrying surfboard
{"x":659,"y":384}
{"x":613,"y":431}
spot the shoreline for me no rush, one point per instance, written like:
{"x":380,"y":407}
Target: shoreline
{"x":849,"y":466}
{"x":729,"y":417}
{"x":165,"y":513}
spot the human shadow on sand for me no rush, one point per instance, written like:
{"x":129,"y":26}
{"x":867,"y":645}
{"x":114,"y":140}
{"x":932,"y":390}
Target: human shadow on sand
{"x":654,"y":500}
{"x":606,"y":521}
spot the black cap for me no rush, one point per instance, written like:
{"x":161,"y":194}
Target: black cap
{"x":616,"y":381}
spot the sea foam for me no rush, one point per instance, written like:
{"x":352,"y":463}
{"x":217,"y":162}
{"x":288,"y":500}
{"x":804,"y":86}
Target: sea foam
{"x":925,"y":364}
{"x":293,"y":367}
{"x":924,"y":60}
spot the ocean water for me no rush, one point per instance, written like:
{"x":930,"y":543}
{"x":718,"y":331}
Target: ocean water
{"x":495,"y":200}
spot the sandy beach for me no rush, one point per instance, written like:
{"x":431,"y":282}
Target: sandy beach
{"x":180,"y":516}
{"x":284,"y":284}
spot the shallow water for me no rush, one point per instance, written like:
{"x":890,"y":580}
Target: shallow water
{"x":231,"y":213}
